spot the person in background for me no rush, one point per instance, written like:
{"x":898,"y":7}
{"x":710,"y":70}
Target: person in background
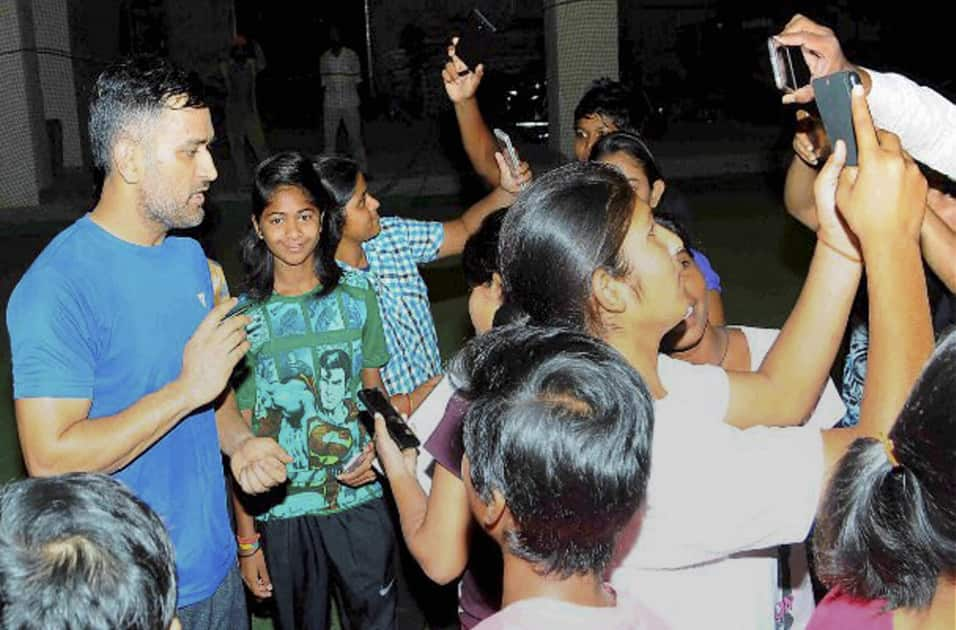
{"x":81,"y":551}
{"x":341,"y":72}
{"x":243,"y":124}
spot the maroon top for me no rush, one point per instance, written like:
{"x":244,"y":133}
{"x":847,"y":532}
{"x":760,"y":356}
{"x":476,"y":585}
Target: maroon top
{"x":481,"y":583}
{"x":839,"y":611}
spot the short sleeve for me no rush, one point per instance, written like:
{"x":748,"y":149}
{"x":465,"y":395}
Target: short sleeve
{"x":374,"y":350}
{"x":421,"y":240}
{"x":710,"y":276}
{"x":445,"y":443}
{"x":51,"y":339}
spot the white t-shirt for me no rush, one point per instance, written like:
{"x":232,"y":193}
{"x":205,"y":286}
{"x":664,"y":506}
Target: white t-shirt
{"x":715,"y":491}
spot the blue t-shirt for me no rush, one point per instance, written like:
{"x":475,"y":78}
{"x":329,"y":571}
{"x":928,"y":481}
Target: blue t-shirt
{"x":101,"y":319}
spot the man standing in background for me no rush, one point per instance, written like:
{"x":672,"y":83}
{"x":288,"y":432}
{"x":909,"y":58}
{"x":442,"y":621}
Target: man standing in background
{"x":341,"y":73}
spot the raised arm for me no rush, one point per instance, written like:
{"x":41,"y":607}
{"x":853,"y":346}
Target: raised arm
{"x":479,"y":143}
{"x":458,"y":230}
{"x":786,"y":388}
{"x":938,"y":242}
{"x":884,"y":201}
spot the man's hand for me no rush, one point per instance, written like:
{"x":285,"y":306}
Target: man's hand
{"x":821,"y":50}
{"x":885,"y":197}
{"x":810,"y":141}
{"x":510,"y":181}
{"x":212,"y":353}
{"x":255,"y":574}
{"x":259,"y":464}
{"x":364,"y":473}
{"x":460,"y":87}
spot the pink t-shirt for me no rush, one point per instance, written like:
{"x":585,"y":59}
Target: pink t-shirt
{"x":839,"y":611}
{"x":543,"y":612}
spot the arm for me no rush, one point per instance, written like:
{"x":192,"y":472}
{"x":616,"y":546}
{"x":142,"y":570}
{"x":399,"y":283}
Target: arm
{"x":883,"y":201}
{"x":56,"y":436}
{"x":435,"y":527}
{"x":798,"y":193}
{"x":788,"y":384}
{"x":458,"y":230}
{"x":479,"y":143}
{"x":253,"y":566}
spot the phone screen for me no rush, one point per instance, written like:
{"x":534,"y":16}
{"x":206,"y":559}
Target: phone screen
{"x":790,"y":70}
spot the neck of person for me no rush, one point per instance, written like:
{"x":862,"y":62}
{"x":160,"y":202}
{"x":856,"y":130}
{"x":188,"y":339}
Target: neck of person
{"x":641,"y":351}
{"x":294,"y":280}
{"x":940,"y":613}
{"x":351,"y":253}
{"x":112,"y":213}
{"x":523,"y":581}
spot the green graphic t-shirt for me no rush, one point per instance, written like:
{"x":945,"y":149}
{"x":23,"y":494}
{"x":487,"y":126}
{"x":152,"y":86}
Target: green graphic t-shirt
{"x":304,"y":369}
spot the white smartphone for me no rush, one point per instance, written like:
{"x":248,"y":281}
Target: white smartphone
{"x":508,"y":150}
{"x":790,"y":71}
{"x":353,"y":463}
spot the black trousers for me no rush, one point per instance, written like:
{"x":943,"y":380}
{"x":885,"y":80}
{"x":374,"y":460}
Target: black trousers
{"x":353,"y":550}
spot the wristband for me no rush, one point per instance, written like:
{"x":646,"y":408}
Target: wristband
{"x":246,"y":553}
{"x":248,"y":540}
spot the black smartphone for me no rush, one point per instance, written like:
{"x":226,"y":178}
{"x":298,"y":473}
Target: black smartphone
{"x":790,"y":70}
{"x":241,"y":307}
{"x":375,"y":402}
{"x":475,"y":40}
{"x":832,"y":94}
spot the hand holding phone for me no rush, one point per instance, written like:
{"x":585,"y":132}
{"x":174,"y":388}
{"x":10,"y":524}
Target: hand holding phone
{"x":376,"y":403}
{"x":832,"y":94}
{"x":790,"y":70}
{"x":508,"y":150}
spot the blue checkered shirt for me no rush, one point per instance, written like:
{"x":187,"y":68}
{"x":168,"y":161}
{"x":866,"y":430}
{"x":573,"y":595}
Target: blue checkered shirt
{"x":393,"y":259}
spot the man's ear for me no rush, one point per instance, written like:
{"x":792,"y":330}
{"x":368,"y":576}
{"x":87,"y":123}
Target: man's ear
{"x":127,"y":156}
{"x":494,"y":512}
{"x":657,"y":191}
{"x":608,"y":292}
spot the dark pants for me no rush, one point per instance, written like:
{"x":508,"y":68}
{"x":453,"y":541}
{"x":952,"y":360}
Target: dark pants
{"x":305,"y":555}
{"x":225,"y":610}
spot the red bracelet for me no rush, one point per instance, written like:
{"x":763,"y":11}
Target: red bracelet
{"x":248,"y":540}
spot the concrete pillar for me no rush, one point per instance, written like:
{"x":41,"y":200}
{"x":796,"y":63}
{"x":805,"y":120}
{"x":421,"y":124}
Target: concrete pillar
{"x":52,"y":34}
{"x":25,"y":161}
{"x":581,"y":44}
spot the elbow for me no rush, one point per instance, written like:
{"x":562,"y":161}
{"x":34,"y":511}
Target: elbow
{"x":441,"y":573}
{"x":50,"y":465}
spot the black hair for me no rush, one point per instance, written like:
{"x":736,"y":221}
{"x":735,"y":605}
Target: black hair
{"x":612,"y":100}
{"x":560,"y":425}
{"x":339,"y":177}
{"x":886,"y":531}
{"x":479,"y":259}
{"x":132,"y":92}
{"x":81,"y":551}
{"x":335,"y":358}
{"x":631,"y":144}
{"x":569,"y":223}
{"x":283,"y":170}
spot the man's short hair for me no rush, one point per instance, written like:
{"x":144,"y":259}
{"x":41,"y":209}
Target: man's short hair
{"x":130,"y":94}
{"x":614,"y":101}
{"x":81,"y":551}
{"x":560,"y":425}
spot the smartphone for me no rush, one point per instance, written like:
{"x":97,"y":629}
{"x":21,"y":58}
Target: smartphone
{"x":507,"y":150}
{"x":353,"y":463}
{"x":475,"y":39}
{"x":241,"y":307}
{"x":790,"y":70}
{"x":375,"y":402}
{"x":832,"y":94}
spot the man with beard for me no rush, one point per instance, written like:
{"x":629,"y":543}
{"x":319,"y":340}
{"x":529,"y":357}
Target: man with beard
{"x":120,"y":360}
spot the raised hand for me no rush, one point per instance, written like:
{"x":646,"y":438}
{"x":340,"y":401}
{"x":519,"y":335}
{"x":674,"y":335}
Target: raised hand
{"x":259,"y":463}
{"x":460,"y":83}
{"x":885,"y":197}
{"x":832,"y":229}
{"x":212,"y":352}
{"x":810,"y":141}
{"x":821,"y":50}
{"x":512,"y":181}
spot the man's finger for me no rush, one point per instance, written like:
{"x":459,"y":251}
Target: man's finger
{"x":866,"y":141}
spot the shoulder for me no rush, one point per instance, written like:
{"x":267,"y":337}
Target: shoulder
{"x":355,"y":280}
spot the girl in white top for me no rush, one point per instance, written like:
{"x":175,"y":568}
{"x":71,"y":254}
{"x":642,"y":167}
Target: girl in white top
{"x":580,"y":249}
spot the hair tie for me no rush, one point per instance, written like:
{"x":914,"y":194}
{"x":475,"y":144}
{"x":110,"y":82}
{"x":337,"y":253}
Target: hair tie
{"x":890,"y":449}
